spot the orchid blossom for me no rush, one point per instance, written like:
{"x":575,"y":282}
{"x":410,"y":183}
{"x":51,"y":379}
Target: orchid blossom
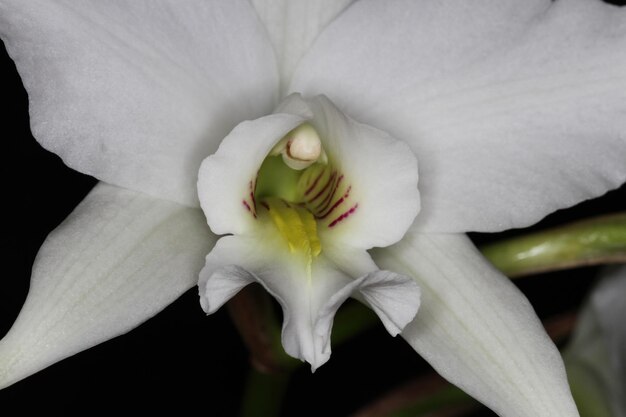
{"x":299,"y":129}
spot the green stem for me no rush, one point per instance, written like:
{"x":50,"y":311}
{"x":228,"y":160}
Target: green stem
{"x":596,"y":241}
{"x":264,"y":394}
{"x":254,"y":316}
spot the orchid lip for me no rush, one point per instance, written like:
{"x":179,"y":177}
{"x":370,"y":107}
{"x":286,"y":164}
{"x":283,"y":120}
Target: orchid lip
{"x":303,"y":199}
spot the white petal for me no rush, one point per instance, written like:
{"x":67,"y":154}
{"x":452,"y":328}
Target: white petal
{"x":295,"y":104}
{"x":293,"y":25}
{"x":117,"y":260}
{"x":227,"y":179}
{"x":478,"y":330}
{"x":379,"y":176}
{"x":217,"y":285}
{"x":309,"y":303}
{"x":394,"y":298}
{"x":514,"y":108}
{"x":238,"y":260}
{"x":137,"y":93}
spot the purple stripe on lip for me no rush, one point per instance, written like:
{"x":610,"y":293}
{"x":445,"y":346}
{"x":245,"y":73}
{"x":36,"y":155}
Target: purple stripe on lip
{"x":328,"y":182}
{"x":344,"y":215}
{"x":334,"y":206}
{"x":329,"y":198}
{"x":314,"y":183}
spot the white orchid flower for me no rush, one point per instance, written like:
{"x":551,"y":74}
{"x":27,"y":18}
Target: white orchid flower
{"x":513,"y":109}
{"x":596,"y":355}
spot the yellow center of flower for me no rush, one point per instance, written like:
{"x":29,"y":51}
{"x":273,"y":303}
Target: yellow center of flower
{"x":300,"y":190}
{"x":296,"y":225}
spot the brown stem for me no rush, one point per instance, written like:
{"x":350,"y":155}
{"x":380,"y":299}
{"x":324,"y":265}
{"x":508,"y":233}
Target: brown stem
{"x":404,"y":395}
{"x":252,"y":312}
{"x":559,"y":327}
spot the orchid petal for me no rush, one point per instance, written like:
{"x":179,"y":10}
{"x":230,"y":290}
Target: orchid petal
{"x":293,"y":25}
{"x":477,"y":329}
{"x":117,"y":260}
{"x":393,"y":297}
{"x":515,"y":108}
{"x":137,"y":93}
{"x":379,"y":198}
{"x":227,"y":179}
{"x":239,"y":260}
{"x":309,"y":304}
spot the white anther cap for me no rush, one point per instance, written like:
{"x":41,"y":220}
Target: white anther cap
{"x":301,"y":148}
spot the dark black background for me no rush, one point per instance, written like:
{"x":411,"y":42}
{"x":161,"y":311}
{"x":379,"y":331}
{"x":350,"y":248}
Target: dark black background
{"x":182,"y":358}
